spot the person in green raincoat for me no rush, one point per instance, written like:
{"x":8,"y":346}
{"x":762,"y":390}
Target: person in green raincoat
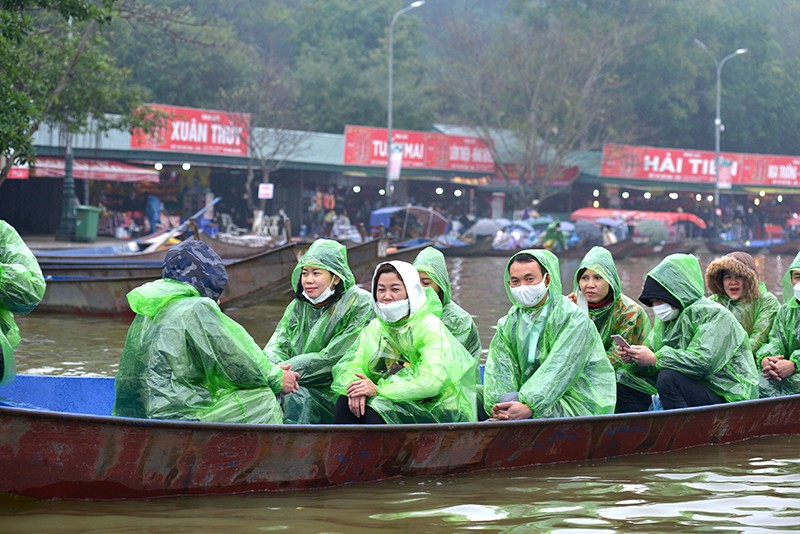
{"x":406,"y":367}
{"x":701,"y":352}
{"x":21,"y":289}
{"x":546,"y":358}
{"x":733,"y":282}
{"x":317,"y":328}
{"x":184,"y":359}
{"x":779,"y":357}
{"x":432,"y":269}
{"x":598,"y":292}
{"x":554,"y":238}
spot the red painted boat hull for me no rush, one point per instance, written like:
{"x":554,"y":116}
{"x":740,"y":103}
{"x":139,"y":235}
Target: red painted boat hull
{"x":62,"y":455}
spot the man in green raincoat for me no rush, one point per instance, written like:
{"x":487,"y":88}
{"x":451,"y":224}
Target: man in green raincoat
{"x":21,"y":289}
{"x":317,"y":328}
{"x":598,"y":291}
{"x":184,"y":359}
{"x":701,"y":352}
{"x":546,"y":359}
{"x":406,"y":366}
{"x":432,"y":269}
{"x":779,"y":358}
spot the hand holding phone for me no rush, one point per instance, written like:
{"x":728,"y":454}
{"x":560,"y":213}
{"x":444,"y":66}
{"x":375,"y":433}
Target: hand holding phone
{"x":620,"y":341}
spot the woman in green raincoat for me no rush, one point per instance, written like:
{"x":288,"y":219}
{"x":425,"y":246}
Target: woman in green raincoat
{"x":779,"y":357}
{"x":317,"y":328}
{"x":699,"y":349}
{"x":184,"y":359}
{"x":598,"y":292}
{"x":546,"y":359}
{"x":21,"y":289}
{"x":406,"y":367}
{"x":432,"y":269}
{"x":733,"y":282}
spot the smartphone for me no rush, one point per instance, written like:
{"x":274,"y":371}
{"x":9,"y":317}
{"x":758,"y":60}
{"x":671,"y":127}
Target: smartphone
{"x":620,"y":341}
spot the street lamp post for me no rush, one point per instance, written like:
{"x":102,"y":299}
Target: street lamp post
{"x":411,"y":6}
{"x":718,"y":127}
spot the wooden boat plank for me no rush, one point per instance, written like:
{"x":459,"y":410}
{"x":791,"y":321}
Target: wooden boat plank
{"x":50,"y":454}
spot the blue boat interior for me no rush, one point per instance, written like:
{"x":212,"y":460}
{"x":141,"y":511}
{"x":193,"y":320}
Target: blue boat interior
{"x":68,"y":394}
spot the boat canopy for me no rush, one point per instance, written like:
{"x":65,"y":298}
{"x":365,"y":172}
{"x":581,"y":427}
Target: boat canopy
{"x":426,"y":222}
{"x":669,"y":218}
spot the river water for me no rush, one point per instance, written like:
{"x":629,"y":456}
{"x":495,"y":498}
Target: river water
{"x":752,"y":486}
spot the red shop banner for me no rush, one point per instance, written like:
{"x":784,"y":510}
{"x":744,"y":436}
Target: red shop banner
{"x":697,"y":166}
{"x":200,"y":131}
{"x":364,"y":145}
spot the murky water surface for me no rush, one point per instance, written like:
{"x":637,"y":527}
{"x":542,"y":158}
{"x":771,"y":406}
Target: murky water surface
{"x":752,"y":486}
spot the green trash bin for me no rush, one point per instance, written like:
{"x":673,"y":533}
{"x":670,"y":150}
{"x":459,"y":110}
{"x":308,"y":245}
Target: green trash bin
{"x":87,"y":219}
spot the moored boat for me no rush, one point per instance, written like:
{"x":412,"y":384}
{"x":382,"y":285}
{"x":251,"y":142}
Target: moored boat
{"x":663,"y":249}
{"x":101,"y":288}
{"x":726,"y":247}
{"x":60,"y":441}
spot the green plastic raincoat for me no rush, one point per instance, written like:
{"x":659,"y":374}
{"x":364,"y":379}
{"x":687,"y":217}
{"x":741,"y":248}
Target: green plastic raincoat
{"x":21,"y":289}
{"x":437,"y":381}
{"x":622,"y":316}
{"x":757,"y":307}
{"x":784,"y":339}
{"x":312,"y":339}
{"x":184,"y":359}
{"x":705,"y":342}
{"x":454,"y":317}
{"x":552,"y":355}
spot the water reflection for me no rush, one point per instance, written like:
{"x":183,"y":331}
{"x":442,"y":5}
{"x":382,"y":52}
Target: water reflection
{"x":696,"y":490}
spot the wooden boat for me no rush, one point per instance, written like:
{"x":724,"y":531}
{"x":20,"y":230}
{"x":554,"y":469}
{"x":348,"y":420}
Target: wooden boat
{"x":102,"y":288}
{"x":619,"y":250}
{"x":726,"y":247}
{"x":478,"y":249}
{"x":59,"y":441}
{"x":679,"y":247}
{"x":788,"y":247}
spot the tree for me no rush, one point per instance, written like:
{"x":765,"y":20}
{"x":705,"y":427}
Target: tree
{"x":53,"y":68}
{"x":543,"y":85}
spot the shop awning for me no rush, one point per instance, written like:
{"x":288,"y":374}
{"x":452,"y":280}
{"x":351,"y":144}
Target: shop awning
{"x":93,"y":169}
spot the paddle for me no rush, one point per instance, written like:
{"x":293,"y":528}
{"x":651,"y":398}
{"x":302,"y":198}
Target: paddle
{"x":166,"y":236}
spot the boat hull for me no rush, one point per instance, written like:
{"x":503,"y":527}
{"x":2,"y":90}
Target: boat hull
{"x":52,"y":454}
{"x":104,"y":289}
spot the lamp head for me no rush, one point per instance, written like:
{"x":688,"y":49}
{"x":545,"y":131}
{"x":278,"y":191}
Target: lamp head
{"x":741,"y":51}
{"x":417,"y":3}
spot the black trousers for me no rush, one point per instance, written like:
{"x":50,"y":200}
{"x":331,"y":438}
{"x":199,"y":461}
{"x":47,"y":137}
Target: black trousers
{"x":631,"y":400}
{"x":676,"y":390}
{"x":343,"y":416}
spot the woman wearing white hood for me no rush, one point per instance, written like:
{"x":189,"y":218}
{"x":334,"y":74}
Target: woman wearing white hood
{"x":406,"y":366}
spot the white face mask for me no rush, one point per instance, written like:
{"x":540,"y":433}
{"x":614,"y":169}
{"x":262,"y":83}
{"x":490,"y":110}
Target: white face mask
{"x":797,"y":291}
{"x":325,"y":295}
{"x":665,"y":312}
{"x":393,"y":311}
{"x":530,"y":296}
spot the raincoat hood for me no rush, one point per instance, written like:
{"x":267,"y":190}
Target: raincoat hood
{"x":786,"y":282}
{"x":680,"y":274}
{"x":431,"y":261}
{"x":197,"y":264}
{"x":408,"y":274}
{"x":329,"y":255}
{"x":730,"y":263}
{"x":600,"y":260}
{"x":549,"y":261}
{"x":148,"y":299}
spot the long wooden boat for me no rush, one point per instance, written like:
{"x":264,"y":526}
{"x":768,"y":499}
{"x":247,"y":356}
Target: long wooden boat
{"x":788,"y":247}
{"x":102,"y":288}
{"x":619,"y":250}
{"x":59,"y":441}
{"x":726,"y":247}
{"x":482,"y":247}
{"x":682,"y":247}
